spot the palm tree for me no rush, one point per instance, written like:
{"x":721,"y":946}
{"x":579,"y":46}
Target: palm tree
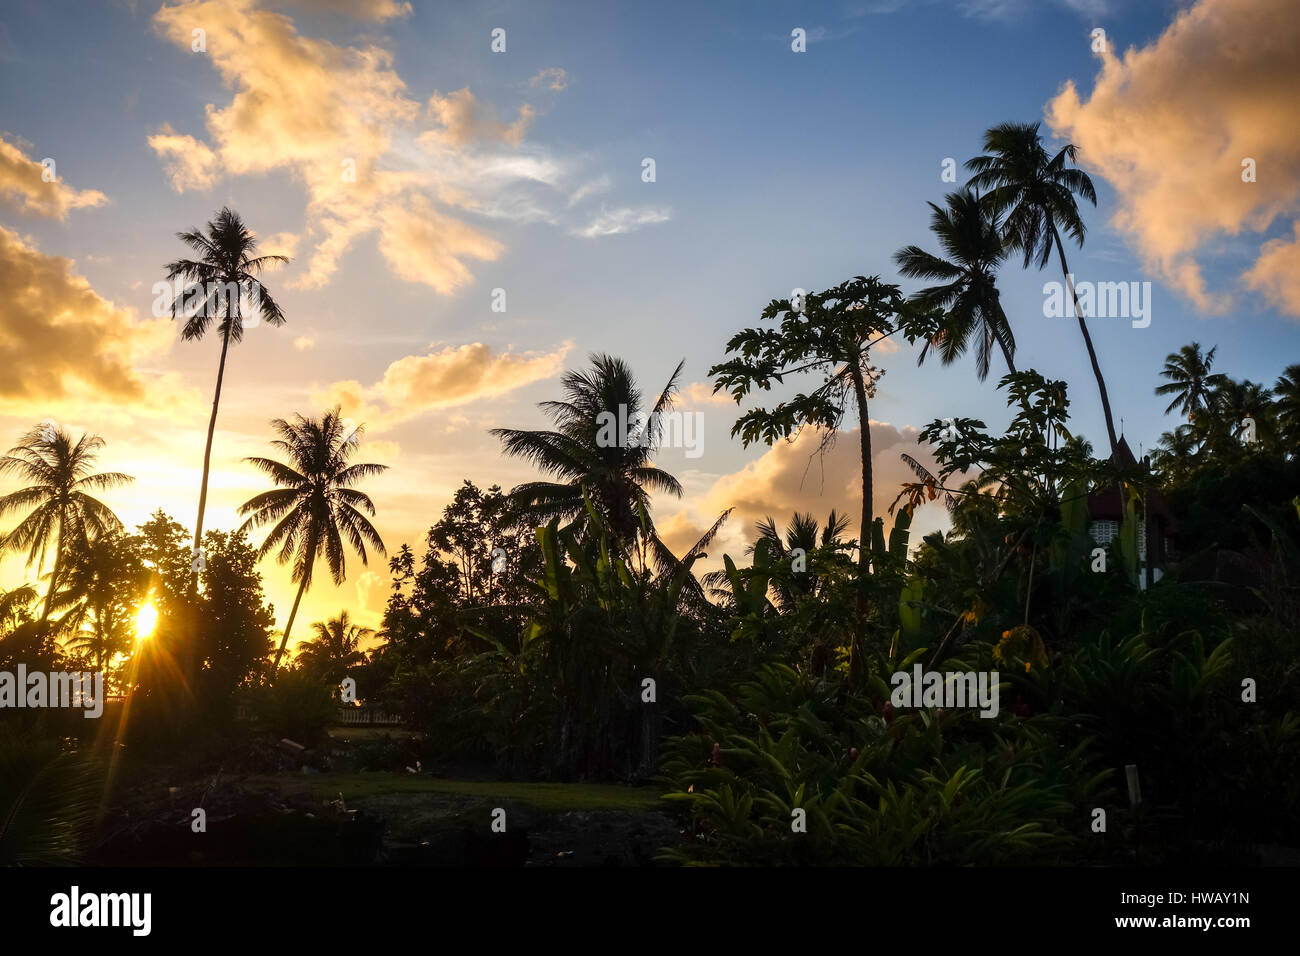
{"x":335,"y":648}
{"x":14,"y":608}
{"x":617,"y":474}
{"x":315,"y":507}
{"x":1173,"y":455}
{"x":1036,"y":192}
{"x":802,"y":533}
{"x":106,"y":583}
{"x":227,"y":273}
{"x":1190,"y":381}
{"x":1235,"y":401}
{"x":1286,"y":405}
{"x":63,"y":512}
{"x":968,"y":232}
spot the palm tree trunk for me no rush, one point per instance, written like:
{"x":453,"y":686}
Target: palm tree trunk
{"x":1087,"y":341}
{"x":864,"y":546}
{"x":54,"y":575}
{"x":188,"y":650}
{"x":864,"y":447}
{"x":302,"y":586}
{"x":207,"y":456}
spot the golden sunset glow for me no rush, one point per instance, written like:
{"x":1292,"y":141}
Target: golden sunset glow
{"x":146,"y":619}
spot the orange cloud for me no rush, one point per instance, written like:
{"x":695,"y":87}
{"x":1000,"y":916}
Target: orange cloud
{"x":60,"y":341}
{"x":423,"y":246}
{"x":375,"y":11}
{"x":451,"y":376}
{"x":792,"y":476}
{"x":1170,"y":125}
{"x":190,"y":164}
{"x":334,"y":118}
{"x":463,"y":120}
{"x":23,"y":186}
{"x":1276,"y":273}
{"x":702,"y":393}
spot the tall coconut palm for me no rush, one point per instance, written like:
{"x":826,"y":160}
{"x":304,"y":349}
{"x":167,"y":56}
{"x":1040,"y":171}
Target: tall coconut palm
{"x":227,"y":273}
{"x":63,"y":512}
{"x":315,"y":507}
{"x":335,"y":648}
{"x":969,"y":234}
{"x":1035,"y":191}
{"x":1190,"y":381}
{"x":617,"y":473}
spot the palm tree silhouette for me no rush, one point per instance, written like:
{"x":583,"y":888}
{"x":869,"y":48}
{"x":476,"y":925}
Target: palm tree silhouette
{"x":63,"y":512}
{"x":968,"y":232}
{"x":1286,"y":397}
{"x":1174,"y":453}
{"x":616,"y":474}
{"x":105,"y":584}
{"x":227,"y":273}
{"x":1190,"y":382}
{"x":315,"y":507}
{"x":802,"y":533}
{"x":1036,"y":192}
{"x":335,"y":648}
{"x":1233,"y":402}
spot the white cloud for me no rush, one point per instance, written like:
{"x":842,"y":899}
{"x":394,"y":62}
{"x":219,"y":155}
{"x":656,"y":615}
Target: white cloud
{"x":613,"y":222}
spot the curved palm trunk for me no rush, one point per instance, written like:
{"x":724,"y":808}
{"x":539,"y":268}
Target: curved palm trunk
{"x":207,"y":455}
{"x":188,"y":649}
{"x":1087,"y":341}
{"x":302,"y":586}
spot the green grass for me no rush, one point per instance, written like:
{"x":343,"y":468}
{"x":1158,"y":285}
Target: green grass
{"x":548,"y":797}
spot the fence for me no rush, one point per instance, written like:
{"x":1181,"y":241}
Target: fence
{"x":366,"y":717}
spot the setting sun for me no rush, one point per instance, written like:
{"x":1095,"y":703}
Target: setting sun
{"x":145,"y":620}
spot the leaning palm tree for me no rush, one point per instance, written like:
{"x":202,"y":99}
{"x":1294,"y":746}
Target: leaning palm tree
{"x":1035,"y":190}
{"x":589,"y":450}
{"x":63,"y":512}
{"x":1190,"y":381}
{"x":335,"y":648}
{"x":968,"y":232}
{"x":315,"y":507}
{"x":227,"y":273}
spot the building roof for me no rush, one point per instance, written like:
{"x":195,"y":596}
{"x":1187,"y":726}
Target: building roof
{"x":1106,"y":504}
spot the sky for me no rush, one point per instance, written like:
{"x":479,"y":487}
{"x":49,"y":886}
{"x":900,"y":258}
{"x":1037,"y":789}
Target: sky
{"x":413,"y":172}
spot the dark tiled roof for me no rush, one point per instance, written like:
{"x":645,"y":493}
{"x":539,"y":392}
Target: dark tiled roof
{"x":1106,"y":504}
